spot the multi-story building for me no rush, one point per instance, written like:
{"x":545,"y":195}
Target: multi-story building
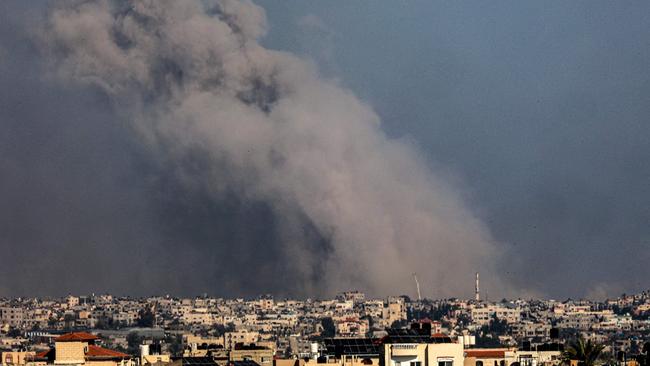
{"x":394,"y":311}
{"x":232,"y":339}
{"x":12,"y":316}
{"x":483,"y":315}
{"x":352,"y":327}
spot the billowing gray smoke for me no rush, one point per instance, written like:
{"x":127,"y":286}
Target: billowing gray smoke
{"x":232,"y":117}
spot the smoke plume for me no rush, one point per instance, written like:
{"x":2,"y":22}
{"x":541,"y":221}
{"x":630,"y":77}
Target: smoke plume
{"x":353,"y":208}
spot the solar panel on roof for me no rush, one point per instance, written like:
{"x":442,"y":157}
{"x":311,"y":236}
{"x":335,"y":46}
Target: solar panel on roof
{"x":198,"y":361}
{"x":412,"y":336}
{"x":244,"y":363}
{"x":351,"y":346}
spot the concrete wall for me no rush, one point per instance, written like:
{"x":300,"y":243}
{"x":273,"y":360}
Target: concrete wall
{"x":70,"y":352}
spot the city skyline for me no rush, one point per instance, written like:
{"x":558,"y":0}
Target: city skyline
{"x":220,"y":329}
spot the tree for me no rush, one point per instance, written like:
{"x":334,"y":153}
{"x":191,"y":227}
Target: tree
{"x":371,"y":322}
{"x":175,"y":344}
{"x":329,"y":329}
{"x":230,"y":327}
{"x":68,"y":320}
{"x":218,"y":330}
{"x":14,"y":333}
{"x":497,"y":326}
{"x":288,"y":352}
{"x":585,"y":352}
{"x":146,"y":318}
{"x":644,"y":359}
{"x":52,"y":322}
{"x":134,"y":341}
{"x":101,"y":323}
{"x":484,"y":340}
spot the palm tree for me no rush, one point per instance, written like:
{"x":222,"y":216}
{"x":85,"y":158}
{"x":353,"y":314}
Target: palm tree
{"x":585,"y":352}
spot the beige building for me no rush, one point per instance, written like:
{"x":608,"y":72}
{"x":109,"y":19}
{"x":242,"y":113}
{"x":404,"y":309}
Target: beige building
{"x":483,"y":316}
{"x":423,"y":354}
{"x":261,"y":355}
{"x":80,"y":349}
{"x":12,"y":316}
{"x":266,"y":303}
{"x":17,"y":358}
{"x":72,"y":301}
{"x":231,"y":339}
{"x":510,"y":357}
{"x":196,"y":346}
{"x":352,"y":327}
{"x":394,"y":311}
{"x":152,"y":356}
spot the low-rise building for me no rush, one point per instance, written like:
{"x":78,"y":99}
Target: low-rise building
{"x":417,"y":352}
{"x":80,"y":349}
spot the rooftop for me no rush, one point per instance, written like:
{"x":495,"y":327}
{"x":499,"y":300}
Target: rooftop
{"x":96,"y":352}
{"x":486,"y":353}
{"x":76,"y":337}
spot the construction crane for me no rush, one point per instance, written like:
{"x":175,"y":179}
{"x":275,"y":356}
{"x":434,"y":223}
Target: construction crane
{"x":417,"y":285}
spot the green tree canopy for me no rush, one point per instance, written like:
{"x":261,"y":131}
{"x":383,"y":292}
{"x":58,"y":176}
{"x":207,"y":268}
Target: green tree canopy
{"x":585,"y":352}
{"x":329,"y":329}
{"x":146,"y":318}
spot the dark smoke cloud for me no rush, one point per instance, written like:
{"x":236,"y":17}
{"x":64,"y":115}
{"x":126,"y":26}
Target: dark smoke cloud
{"x":542,"y":108}
{"x":156,"y":146}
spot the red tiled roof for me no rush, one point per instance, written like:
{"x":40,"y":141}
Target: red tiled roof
{"x":439,"y":335}
{"x":49,"y":354}
{"x":76,"y":337}
{"x":99,"y":352}
{"x":94,"y":352}
{"x":486,"y":353}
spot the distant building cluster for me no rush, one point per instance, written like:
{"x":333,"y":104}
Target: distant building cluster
{"x":347,"y":330}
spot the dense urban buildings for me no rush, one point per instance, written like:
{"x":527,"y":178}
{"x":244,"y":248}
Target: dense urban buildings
{"x":351,"y":329}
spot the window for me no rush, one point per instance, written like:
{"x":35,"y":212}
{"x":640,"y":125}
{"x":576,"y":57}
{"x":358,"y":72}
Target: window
{"x":416,"y":363}
{"x":479,"y":363}
{"x":445,"y":363}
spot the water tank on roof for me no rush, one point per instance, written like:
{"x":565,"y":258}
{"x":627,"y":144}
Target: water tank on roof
{"x":144,"y":350}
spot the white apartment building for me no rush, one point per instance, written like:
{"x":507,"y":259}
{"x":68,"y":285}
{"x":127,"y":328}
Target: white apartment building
{"x":483,"y":316}
{"x":423,"y":354}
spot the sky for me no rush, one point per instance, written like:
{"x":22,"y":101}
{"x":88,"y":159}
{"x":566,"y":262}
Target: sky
{"x":524,"y":126}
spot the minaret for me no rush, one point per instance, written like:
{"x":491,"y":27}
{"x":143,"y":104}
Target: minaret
{"x":477,"y":293}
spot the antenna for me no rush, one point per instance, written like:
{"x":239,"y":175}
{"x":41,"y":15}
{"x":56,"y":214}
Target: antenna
{"x":417,"y":285}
